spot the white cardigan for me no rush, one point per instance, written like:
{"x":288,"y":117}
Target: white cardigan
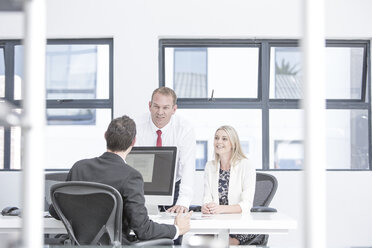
{"x":242,"y":184}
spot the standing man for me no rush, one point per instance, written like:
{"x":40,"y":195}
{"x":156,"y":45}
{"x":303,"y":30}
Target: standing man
{"x":110,"y":168}
{"x":163,"y":128}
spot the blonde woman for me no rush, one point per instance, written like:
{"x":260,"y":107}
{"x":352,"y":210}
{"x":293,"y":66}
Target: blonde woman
{"x":230,"y":180}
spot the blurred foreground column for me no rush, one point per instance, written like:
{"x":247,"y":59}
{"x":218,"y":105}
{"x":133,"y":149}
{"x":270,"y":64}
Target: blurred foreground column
{"x":34,"y":123}
{"x":313,"y":44}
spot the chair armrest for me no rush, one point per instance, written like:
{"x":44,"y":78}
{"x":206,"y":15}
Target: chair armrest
{"x":263,"y":209}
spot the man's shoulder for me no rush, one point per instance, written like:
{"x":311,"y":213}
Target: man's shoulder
{"x":83,"y":162}
{"x":130,"y":169}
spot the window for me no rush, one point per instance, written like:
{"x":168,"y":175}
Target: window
{"x":288,"y":154}
{"x":201,"y":154}
{"x":79,"y":99}
{"x":197,"y":72}
{"x":256,"y":86}
{"x":344,"y":72}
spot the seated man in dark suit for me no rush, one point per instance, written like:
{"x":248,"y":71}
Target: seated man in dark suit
{"x":110,"y":168}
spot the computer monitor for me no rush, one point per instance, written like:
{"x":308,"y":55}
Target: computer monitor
{"x":157,"y":166}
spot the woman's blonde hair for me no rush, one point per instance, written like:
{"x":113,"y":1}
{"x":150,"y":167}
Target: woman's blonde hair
{"x":237,"y":151}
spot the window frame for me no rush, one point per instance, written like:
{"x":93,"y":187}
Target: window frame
{"x":9,"y":60}
{"x":263,"y":101}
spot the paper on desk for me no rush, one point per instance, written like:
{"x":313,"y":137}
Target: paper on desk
{"x":201,"y":217}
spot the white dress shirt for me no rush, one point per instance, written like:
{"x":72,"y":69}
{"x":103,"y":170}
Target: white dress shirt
{"x":242,"y":184}
{"x":180,"y":133}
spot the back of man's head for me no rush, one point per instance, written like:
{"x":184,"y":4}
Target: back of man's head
{"x":120,"y":134}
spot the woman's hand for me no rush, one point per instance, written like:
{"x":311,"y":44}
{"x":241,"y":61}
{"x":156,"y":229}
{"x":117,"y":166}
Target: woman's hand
{"x":205,"y":209}
{"x":212,"y":208}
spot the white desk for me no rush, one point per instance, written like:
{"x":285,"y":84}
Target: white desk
{"x":253,"y":223}
{"x":225,"y":224}
{"x":13,"y":224}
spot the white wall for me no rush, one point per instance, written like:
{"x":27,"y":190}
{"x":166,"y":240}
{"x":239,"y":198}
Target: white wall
{"x":136,"y":27}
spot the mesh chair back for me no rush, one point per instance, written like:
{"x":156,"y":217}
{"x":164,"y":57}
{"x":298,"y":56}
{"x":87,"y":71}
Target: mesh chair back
{"x":91,"y":212}
{"x":51,"y":179}
{"x":266,"y":186}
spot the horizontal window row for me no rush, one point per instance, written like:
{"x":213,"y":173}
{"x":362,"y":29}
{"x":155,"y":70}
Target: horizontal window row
{"x":198,"y":69}
{"x":256,"y":86}
{"x":346,"y":142}
{"x":79,"y":79}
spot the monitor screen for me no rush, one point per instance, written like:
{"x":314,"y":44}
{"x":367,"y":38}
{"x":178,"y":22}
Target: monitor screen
{"x":157,"y":166}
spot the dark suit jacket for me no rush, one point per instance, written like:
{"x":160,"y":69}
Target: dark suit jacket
{"x":111,"y":169}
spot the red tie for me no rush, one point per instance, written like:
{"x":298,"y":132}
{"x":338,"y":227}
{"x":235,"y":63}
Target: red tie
{"x":158,"y":141}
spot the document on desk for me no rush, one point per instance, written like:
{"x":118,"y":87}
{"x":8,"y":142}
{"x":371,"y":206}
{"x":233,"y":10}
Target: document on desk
{"x":200,"y":216}
{"x":194,"y":216}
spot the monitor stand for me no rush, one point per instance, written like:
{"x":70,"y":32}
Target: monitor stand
{"x":152,"y":209}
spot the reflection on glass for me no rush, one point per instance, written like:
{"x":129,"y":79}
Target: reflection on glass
{"x":285,"y":73}
{"x":72,"y":71}
{"x":2,"y":73}
{"x":15,"y":148}
{"x":230,"y":72}
{"x":18,"y":72}
{"x":62,"y":142}
{"x":201,"y":154}
{"x":247,"y":122}
{"x":190,"y":72}
{"x":347,"y":139}
{"x":286,"y":135}
{"x":71,"y":116}
{"x":344,"y":70}
{"x":245,"y":147}
{"x":289,"y":154}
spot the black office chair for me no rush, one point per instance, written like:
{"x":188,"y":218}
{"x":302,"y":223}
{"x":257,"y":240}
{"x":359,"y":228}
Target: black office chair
{"x":92,"y":213}
{"x":51,"y":179}
{"x":266,"y":186}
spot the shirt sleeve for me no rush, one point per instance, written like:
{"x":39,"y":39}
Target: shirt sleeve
{"x":186,"y":161}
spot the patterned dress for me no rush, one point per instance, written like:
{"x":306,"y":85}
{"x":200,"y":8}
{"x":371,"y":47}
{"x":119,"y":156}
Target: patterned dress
{"x":223,"y":191}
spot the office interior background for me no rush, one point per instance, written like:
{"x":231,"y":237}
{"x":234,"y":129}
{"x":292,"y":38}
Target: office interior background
{"x":104,"y":59}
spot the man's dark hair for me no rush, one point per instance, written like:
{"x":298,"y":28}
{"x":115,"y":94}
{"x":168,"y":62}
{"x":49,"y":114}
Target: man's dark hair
{"x":120,"y":134}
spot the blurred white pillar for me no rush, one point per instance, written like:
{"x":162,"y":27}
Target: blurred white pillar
{"x":314,"y":105}
{"x":34,"y":123}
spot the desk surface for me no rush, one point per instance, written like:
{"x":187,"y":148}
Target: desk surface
{"x":260,"y":223}
{"x":253,"y":223}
